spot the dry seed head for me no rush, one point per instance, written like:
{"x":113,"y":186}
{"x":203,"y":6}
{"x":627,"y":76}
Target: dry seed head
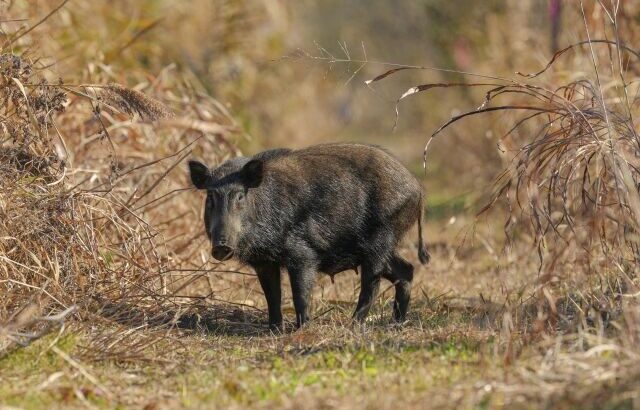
{"x":134,"y":102}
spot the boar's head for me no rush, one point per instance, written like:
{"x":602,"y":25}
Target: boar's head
{"x":226,"y":209}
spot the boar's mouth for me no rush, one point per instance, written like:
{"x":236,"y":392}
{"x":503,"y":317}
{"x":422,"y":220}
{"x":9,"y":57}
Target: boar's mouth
{"x":222,"y":253}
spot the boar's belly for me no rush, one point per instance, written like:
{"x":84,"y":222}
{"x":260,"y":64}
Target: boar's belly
{"x":337,"y":263}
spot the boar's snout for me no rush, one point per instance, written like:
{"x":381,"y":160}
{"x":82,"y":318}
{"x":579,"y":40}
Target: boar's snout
{"x":222,"y":252}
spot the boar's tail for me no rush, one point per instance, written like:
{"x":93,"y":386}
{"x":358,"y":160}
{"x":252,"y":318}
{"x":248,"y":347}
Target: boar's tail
{"x":423,"y":253}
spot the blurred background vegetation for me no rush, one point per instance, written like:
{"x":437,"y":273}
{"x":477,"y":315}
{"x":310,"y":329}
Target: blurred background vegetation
{"x":234,"y":50}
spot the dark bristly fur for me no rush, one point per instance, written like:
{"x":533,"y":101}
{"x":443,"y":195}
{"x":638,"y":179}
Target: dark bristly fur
{"x":326,"y":208}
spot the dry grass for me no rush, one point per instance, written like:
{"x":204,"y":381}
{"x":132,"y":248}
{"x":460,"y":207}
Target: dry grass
{"x":109,"y":298}
{"x":467,"y":344}
{"x":88,"y":171}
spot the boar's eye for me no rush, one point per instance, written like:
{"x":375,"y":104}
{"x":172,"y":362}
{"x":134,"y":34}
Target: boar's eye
{"x":240,"y":197}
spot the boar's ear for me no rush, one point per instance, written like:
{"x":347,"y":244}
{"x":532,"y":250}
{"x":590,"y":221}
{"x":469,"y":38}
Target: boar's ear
{"x":199,"y":174}
{"x":251,"y":173}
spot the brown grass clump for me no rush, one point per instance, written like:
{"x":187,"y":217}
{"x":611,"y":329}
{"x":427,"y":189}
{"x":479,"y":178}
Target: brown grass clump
{"x":84,"y":186}
{"x":571,"y":158}
{"x":35,"y":207}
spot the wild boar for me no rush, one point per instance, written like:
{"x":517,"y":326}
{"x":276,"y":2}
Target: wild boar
{"x":326,"y":208}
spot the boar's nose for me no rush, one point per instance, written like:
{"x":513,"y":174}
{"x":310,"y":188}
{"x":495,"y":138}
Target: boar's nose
{"x":222,"y":252}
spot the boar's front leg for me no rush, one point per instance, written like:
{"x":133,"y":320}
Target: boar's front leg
{"x":269,"y":276}
{"x":302,"y":279}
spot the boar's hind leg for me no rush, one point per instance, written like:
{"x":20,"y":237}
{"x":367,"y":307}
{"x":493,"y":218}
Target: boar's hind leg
{"x":302,"y":279}
{"x":369,"y":284}
{"x":400,"y":273}
{"x":269,"y":276}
